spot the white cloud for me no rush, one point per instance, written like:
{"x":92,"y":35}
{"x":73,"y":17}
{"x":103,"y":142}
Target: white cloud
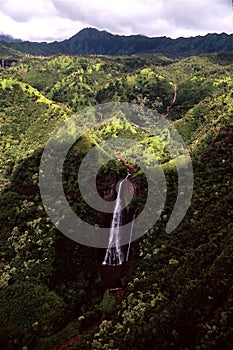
{"x":23,"y":11}
{"x":47,"y":20}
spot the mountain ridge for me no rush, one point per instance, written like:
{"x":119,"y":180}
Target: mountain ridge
{"x":93,"y":41}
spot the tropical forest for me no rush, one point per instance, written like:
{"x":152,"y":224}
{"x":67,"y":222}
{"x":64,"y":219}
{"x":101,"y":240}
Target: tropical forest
{"x":164,"y":289}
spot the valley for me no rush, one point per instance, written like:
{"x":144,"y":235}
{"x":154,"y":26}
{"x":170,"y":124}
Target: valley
{"x":176,"y":292}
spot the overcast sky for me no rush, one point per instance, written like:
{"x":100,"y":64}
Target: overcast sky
{"x":49,"y":20}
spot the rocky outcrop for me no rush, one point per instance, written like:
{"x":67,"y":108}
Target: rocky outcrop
{"x":5,"y":63}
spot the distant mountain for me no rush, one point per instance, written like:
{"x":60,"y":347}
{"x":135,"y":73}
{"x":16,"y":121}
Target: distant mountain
{"x":92,"y":41}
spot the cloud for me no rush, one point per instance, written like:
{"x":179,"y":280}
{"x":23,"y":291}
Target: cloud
{"x":103,"y":10}
{"x":150,"y":17}
{"x":23,"y":11}
{"x":199,"y":17}
{"x":48,"y":20}
{"x":39,"y":29}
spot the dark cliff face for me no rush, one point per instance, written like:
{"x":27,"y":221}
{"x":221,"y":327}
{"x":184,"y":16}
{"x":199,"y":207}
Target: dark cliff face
{"x":5,"y":63}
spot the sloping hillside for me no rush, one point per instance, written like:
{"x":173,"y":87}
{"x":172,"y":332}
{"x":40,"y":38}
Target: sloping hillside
{"x":178,"y":291}
{"x":8,"y":52}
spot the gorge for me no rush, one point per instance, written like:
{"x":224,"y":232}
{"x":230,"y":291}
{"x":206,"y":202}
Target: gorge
{"x":178,"y":290}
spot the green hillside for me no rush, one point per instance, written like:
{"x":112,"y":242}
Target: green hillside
{"x":8,"y":52}
{"x":178,"y":290}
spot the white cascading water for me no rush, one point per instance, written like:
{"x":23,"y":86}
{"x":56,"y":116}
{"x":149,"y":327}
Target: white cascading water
{"x":130,"y":237}
{"x":114,"y":253}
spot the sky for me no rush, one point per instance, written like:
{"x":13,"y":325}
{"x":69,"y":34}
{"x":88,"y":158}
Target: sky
{"x":50,"y":20}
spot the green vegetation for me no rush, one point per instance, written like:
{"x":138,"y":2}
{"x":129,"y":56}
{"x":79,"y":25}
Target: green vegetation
{"x":91,"y":41}
{"x":178,"y":293}
{"x":8,"y":52}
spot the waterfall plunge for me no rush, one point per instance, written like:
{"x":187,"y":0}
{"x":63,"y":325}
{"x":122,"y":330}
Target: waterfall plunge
{"x":131,"y":235}
{"x":114,"y":253}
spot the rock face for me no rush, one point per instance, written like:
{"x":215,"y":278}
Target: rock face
{"x":7,"y":63}
{"x":112,"y":275}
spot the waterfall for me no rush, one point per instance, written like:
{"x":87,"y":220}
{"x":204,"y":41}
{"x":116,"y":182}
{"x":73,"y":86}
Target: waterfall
{"x":131,"y":234}
{"x":114,"y":253}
